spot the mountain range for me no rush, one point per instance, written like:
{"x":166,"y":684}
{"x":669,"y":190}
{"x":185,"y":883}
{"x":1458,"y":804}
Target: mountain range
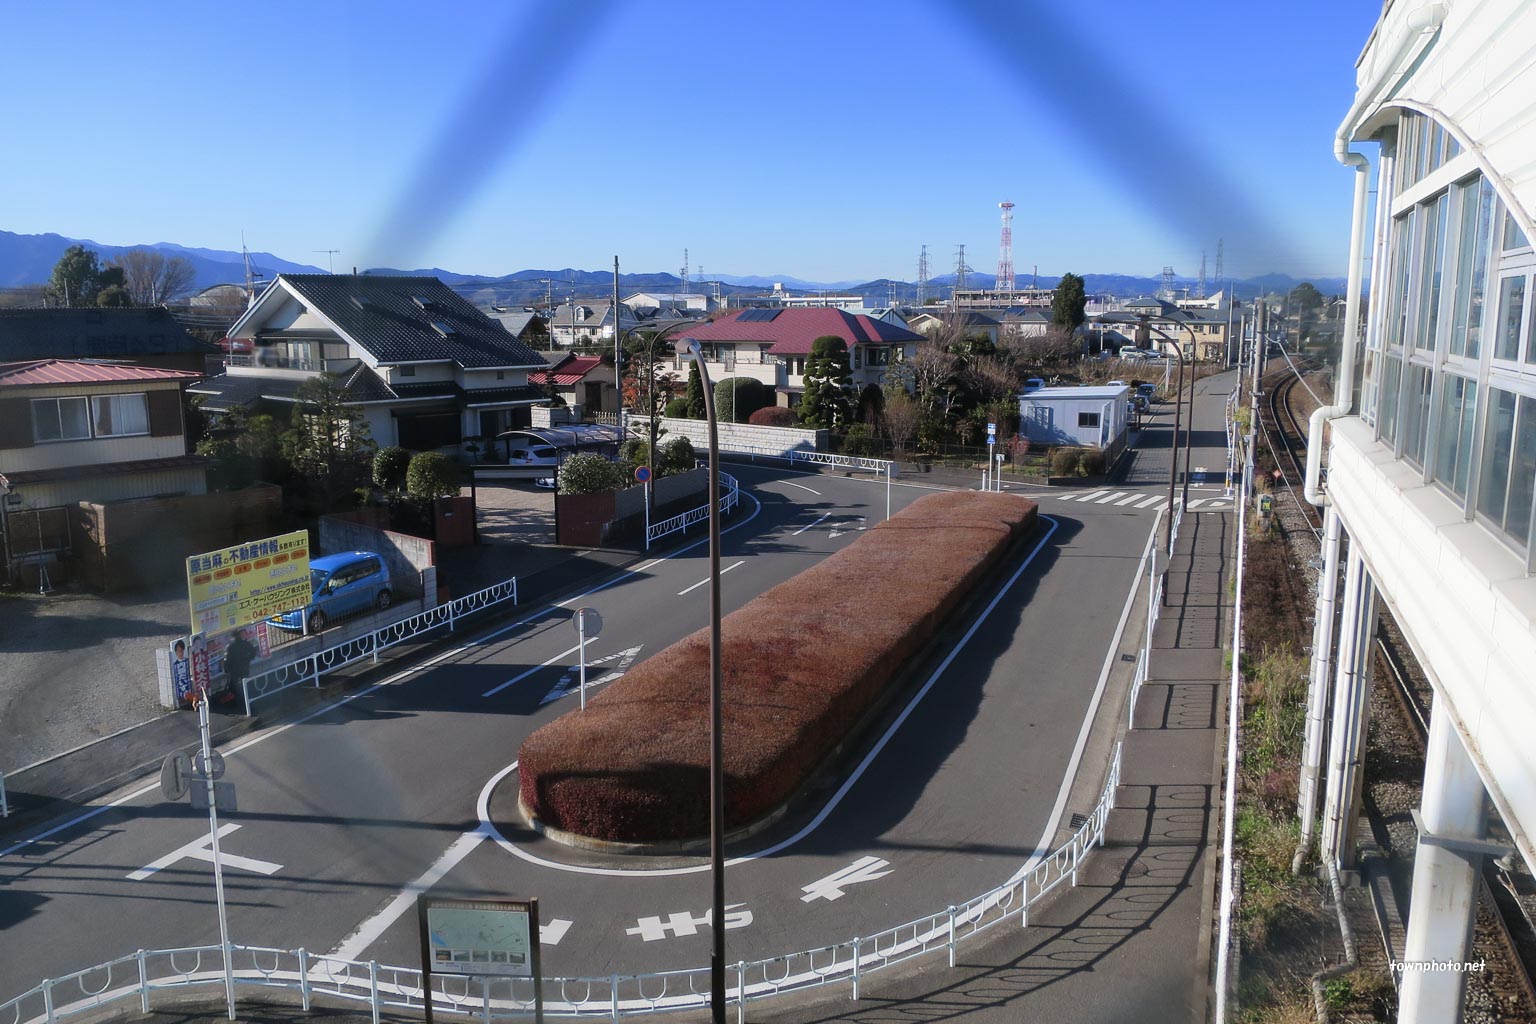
{"x":29,"y":260}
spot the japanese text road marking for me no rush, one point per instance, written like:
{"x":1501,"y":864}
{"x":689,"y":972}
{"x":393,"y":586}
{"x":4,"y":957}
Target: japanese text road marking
{"x":865,"y":869}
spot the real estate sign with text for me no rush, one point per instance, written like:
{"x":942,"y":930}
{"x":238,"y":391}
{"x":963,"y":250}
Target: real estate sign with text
{"x":248,"y":582}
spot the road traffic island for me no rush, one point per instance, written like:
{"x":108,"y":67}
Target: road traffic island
{"x":802,"y":666}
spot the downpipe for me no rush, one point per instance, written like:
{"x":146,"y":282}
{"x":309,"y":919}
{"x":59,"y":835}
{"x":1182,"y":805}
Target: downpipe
{"x":1351,"y":957}
{"x":1317,"y":690}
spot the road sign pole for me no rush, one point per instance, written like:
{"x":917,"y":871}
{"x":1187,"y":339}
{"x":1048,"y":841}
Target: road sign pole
{"x":581,"y":633}
{"x":218,"y":864}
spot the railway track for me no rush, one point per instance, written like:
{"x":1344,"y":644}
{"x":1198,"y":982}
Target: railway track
{"x":1505,"y":932}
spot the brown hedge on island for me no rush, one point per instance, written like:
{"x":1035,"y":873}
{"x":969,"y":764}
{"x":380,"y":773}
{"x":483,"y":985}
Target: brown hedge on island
{"x":801,"y":664}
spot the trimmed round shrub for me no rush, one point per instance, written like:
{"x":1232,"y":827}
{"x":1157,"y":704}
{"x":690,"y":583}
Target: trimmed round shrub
{"x":1064,"y":461}
{"x":676,"y":409}
{"x":1093,"y":462}
{"x":675,"y":456}
{"x":589,"y":473}
{"x":737,"y":398}
{"x":389,"y":467}
{"x":634,"y":451}
{"x":774,"y":416}
{"x":431,"y":475}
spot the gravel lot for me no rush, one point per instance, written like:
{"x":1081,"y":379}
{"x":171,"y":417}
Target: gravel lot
{"x":76,"y":666}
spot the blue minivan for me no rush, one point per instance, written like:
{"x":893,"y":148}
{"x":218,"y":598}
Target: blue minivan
{"x":340,"y":585}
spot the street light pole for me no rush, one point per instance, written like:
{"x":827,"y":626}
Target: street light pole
{"x":716,"y":746}
{"x":1173,"y":455}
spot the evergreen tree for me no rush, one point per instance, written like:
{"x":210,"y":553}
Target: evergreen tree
{"x":1069,"y":301}
{"x":828,"y":380}
{"x":696,"y":410}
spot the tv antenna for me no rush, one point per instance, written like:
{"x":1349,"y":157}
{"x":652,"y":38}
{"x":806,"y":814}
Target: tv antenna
{"x":330,"y":258}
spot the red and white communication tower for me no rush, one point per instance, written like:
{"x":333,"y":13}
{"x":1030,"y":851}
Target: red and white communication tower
{"x":1005,"y":250}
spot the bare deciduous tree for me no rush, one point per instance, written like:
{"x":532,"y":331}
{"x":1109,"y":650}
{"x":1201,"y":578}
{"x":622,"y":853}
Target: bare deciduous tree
{"x":1057,"y":345}
{"x":932,"y":368}
{"x":990,"y":379}
{"x":902,"y":417}
{"x":152,"y":278}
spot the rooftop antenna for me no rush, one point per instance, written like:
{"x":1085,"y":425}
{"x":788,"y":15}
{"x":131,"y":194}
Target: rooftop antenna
{"x":1005,"y":250}
{"x":922,"y":276}
{"x":330,"y":258}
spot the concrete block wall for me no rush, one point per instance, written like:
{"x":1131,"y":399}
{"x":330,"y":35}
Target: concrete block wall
{"x":405,"y":555}
{"x":746,"y":436}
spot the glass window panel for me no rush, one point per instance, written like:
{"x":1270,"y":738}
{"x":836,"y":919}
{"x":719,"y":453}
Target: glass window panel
{"x":1453,"y":453}
{"x":1514,"y":238}
{"x":1397,"y":308}
{"x":1452,"y":147}
{"x":1391,"y":377}
{"x":1506,"y":342}
{"x":1416,"y":414}
{"x":45,"y":421}
{"x":1369,"y":383}
{"x":1498,"y":442}
{"x":1429,"y":273}
{"x":1471,"y":266}
{"x":120,"y":415}
{"x":1522,"y":474}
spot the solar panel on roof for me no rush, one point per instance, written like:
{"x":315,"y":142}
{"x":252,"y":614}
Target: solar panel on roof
{"x":758,"y":315}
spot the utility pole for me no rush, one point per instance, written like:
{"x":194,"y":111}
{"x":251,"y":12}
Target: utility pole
{"x":618,"y":368}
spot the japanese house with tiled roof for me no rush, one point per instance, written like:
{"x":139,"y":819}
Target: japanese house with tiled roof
{"x":427,"y":368}
{"x":147,"y":337}
{"x":772,"y":345}
{"x":73,"y":430}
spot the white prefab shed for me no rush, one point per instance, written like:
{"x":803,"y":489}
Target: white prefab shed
{"x":1091,"y":416}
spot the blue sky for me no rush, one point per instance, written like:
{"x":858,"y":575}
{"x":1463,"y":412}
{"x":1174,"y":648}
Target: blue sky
{"x":826,"y":141}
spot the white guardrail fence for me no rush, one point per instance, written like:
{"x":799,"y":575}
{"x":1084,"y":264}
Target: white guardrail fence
{"x":1154,"y":607}
{"x":381,"y":987}
{"x":311,"y":667}
{"x":656,"y":531}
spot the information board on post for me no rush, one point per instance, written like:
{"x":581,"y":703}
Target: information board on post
{"x":483,"y":938}
{"x":248,"y":583}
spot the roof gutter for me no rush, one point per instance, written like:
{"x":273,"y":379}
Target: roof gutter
{"x":1419,"y":27}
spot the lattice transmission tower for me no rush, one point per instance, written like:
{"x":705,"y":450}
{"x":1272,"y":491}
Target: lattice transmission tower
{"x":1005,"y":250}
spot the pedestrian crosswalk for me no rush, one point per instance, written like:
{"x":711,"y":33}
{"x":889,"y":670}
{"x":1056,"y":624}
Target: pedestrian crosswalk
{"x":1142,"y":500}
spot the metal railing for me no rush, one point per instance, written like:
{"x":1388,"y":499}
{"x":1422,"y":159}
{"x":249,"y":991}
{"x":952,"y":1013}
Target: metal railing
{"x":613,"y":996}
{"x":728,"y":500}
{"x":310,"y":668}
{"x":882,"y":467}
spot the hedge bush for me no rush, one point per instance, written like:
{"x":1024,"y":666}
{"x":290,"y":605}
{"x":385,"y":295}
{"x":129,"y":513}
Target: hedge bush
{"x":675,"y":455}
{"x":1093,"y":462}
{"x":588,"y":473}
{"x":774,"y":416}
{"x":800,"y":667}
{"x":736,"y":398}
{"x":676,"y":409}
{"x":1064,"y":461}
{"x":861,"y":441}
{"x":431,"y":475}
{"x":389,"y":466}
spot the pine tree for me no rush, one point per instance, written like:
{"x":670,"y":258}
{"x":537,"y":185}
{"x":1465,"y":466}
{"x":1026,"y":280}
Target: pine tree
{"x":696,"y":409}
{"x":828,"y":379}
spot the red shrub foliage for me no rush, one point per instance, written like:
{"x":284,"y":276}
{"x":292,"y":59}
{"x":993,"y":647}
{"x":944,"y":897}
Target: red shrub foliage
{"x":774,"y":416}
{"x":800,"y":665}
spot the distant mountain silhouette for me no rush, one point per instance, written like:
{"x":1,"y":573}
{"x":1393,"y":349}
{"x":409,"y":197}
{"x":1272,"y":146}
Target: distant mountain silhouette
{"x":29,"y":260}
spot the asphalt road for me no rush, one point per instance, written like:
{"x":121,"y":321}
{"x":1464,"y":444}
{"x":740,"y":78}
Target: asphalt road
{"x":346,"y":812}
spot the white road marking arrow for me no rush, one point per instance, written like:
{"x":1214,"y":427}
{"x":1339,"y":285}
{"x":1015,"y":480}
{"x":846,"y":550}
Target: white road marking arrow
{"x":865,"y":869}
{"x":551,"y":934}
{"x":567,"y":683}
{"x":838,"y":533}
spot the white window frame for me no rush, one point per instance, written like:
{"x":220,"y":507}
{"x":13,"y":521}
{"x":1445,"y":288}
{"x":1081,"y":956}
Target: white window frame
{"x":96,"y":418}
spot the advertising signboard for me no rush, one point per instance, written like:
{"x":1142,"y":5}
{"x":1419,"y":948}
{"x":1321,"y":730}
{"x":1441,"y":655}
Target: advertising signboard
{"x":248,"y":583}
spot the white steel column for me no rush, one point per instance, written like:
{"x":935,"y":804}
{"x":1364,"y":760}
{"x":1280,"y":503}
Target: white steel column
{"x":1444,"y":879}
{"x":1317,"y":689}
{"x":1351,"y":709}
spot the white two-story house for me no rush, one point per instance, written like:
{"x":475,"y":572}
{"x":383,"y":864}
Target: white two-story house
{"x":427,"y":368}
{"x":773,"y":345}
